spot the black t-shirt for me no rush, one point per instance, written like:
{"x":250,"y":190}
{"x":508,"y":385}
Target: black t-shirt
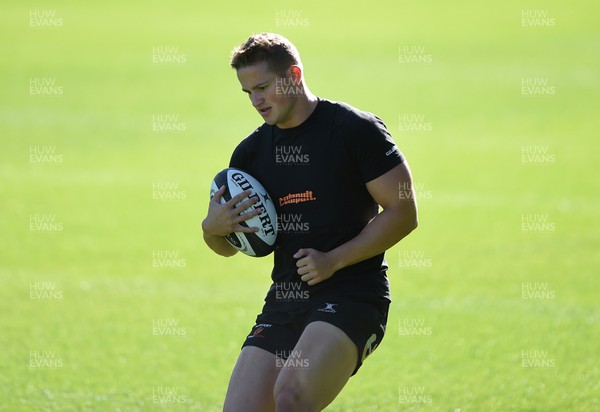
{"x":315,"y":174}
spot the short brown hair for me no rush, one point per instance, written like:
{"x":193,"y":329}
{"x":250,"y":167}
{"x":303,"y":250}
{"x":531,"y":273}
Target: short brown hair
{"x":276,"y":50}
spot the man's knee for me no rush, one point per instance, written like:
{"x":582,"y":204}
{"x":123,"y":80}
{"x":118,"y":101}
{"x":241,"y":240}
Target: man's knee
{"x":291,"y":395}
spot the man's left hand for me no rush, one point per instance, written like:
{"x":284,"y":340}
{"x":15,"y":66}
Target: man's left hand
{"x":314,"y":266}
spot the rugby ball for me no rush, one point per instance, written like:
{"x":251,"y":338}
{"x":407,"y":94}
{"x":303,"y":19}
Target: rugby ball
{"x":262,"y":242}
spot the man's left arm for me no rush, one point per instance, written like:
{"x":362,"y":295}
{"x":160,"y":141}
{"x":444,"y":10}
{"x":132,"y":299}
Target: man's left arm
{"x":393,"y":191}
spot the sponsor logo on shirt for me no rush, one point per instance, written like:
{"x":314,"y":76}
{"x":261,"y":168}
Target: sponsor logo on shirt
{"x":292,"y":198}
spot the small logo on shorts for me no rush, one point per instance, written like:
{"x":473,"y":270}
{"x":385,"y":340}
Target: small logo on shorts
{"x":258,"y":329}
{"x":370,"y":346}
{"x":328,"y":308}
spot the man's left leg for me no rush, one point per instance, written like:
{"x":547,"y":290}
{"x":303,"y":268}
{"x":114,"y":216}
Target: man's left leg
{"x":316,"y":370}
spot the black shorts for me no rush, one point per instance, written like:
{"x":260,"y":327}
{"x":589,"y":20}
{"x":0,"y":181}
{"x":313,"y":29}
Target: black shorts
{"x":362,"y":319}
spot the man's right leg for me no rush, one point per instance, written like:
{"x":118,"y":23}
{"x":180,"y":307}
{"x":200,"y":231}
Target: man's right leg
{"x":252,"y":380}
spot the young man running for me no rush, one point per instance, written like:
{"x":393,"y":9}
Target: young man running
{"x":328,"y":167}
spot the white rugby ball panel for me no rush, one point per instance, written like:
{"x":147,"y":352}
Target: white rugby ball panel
{"x":238,"y":181}
{"x":262,"y":242}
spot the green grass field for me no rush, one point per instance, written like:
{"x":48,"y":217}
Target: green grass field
{"x":115,"y":116}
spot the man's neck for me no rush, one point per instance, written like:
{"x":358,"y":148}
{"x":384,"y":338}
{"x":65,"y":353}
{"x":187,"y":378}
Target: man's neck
{"x":305,"y":106}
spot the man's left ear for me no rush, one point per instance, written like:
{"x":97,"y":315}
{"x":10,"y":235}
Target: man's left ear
{"x":296,"y":73}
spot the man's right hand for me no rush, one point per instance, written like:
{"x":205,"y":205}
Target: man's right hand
{"x":225,"y":218}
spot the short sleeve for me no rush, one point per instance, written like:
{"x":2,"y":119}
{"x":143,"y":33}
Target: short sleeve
{"x":239,"y":157}
{"x":242,"y":156}
{"x":372,"y":145}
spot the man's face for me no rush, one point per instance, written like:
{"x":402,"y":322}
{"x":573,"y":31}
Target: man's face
{"x":261,"y":85}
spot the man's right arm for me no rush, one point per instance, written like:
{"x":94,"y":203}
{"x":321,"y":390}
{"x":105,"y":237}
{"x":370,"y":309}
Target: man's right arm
{"x":219,"y":245}
{"x":225,"y":218}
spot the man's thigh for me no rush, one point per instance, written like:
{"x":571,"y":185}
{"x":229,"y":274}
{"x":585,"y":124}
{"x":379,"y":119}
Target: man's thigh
{"x":317,"y":369}
{"x":252,"y":380}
